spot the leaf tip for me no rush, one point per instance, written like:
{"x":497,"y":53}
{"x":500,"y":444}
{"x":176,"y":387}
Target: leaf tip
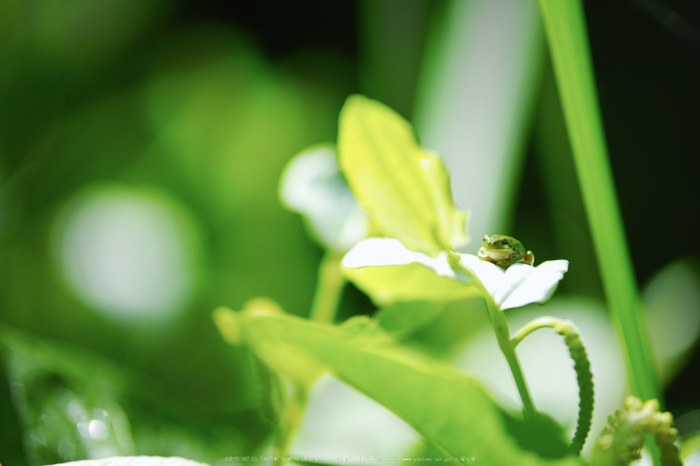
{"x":228,"y":324}
{"x":262,"y":306}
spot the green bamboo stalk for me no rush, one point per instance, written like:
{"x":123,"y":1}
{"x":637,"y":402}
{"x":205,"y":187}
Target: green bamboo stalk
{"x":565,"y":27}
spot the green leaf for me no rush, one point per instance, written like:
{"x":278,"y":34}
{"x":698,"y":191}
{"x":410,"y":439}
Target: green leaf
{"x":565,"y":25}
{"x":402,"y":319}
{"x":452,"y":222}
{"x":453,"y":412}
{"x":410,"y":282}
{"x":404,"y":188}
{"x":690,"y":445}
{"x":286,"y":360}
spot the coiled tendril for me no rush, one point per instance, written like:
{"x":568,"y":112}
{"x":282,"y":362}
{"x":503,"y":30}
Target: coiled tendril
{"x":582,"y":366}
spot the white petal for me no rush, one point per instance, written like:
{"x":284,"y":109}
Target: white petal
{"x":312,"y":185}
{"x":519,"y":285}
{"x":379,"y":252}
{"x":538,"y":286}
{"x":489,"y":275}
{"x":512,"y":279}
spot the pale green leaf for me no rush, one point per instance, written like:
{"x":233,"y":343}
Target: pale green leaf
{"x":286,"y":360}
{"x":451,"y":221}
{"x":402,"y":319}
{"x":389,"y":273}
{"x":451,"y":411}
{"x":690,"y":446}
{"x":409,"y":282}
{"x":676,"y":286}
{"x":404,"y":188}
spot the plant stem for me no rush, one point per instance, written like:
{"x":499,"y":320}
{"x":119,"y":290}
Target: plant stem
{"x":540,"y":322}
{"x":565,"y":26}
{"x":328,"y":288}
{"x":500,"y":327}
{"x":290,"y":421}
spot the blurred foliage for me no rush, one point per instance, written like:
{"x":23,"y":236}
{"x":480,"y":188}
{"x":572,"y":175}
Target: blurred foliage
{"x":73,"y":404}
{"x":200,"y":105}
{"x":128,"y":99}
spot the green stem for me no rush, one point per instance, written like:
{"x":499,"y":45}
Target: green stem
{"x":541,"y":322}
{"x":566,"y":32}
{"x":500,"y":328}
{"x":582,"y":366}
{"x":328,"y":288}
{"x":289,"y":423}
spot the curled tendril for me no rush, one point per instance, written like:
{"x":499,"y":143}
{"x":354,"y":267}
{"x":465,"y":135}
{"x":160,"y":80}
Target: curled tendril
{"x":623,"y":439}
{"x":584,"y":378}
{"x":582,"y":366}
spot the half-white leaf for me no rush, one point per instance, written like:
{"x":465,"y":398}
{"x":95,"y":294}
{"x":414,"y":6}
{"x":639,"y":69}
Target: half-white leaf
{"x":388,"y":273}
{"x":312,"y":186}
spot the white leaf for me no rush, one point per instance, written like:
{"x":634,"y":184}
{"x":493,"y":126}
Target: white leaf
{"x":312,"y":186}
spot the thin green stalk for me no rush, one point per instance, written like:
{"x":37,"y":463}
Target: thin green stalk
{"x":289,"y":423}
{"x":328,"y":288}
{"x":566,"y":32}
{"x":500,"y":327}
{"x":540,"y":322}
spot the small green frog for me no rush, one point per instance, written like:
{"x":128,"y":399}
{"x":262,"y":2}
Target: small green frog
{"x":504,"y":251}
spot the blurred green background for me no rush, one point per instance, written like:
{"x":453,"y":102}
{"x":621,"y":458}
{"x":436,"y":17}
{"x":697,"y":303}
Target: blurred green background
{"x":141,"y":144}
